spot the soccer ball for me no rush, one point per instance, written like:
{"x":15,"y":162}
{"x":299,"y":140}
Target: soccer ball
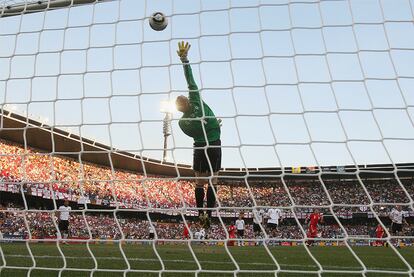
{"x":158,"y":21}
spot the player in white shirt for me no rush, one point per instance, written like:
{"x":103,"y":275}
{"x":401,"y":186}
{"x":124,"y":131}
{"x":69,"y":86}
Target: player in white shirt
{"x":64,"y":215}
{"x":240,"y":225}
{"x":397,"y":219}
{"x":258,"y":216}
{"x":200,"y":234}
{"x":274,"y":219}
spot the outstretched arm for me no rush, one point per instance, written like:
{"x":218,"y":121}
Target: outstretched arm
{"x":183,"y":48}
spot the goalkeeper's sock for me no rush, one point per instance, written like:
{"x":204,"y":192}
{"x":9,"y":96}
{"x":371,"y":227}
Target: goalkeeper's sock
{"x":211,"y":199}
{"x":199,"y":196}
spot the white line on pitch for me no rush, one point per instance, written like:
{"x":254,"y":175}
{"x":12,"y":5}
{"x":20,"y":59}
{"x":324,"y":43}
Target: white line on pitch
{"x":201,"y":261}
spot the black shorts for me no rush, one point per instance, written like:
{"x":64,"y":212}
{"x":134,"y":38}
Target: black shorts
{"x":395,"y":227}
{"x":63,"y":225}
{"x":201,"y":161}
{"x":272,"y":226}
{"x":151,"y":235}
{"x":240,"y":233}
{"x":256,"y":228}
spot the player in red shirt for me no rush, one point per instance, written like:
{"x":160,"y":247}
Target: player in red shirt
{"x":379,"y":231}
{"x":186,"y":232}
{"x":314,"y":218}
{"x":232,"y":234}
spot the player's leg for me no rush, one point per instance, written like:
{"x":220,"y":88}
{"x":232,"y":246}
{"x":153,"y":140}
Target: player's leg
{"x":398,"y":232}
{"x":272,"y":227}
{"x":271,"y":233}
{"x":60,"y":233}
{"x":231,"y":241}
{"x":239,"y":237}
{"x":312,"y":232}
{"x":379,"y":241}
{"x":381,"y":235}
{"x":199,"y":172}
{"x":275,"y":230}
{"x":199,"y":189}
{"x":309,"y":241}
{"x":211,"y":196}
{"x":65,"y":230}
{"x":199,"y":193}
{"x":394,"y":232}
{"x":214,"y":156}
{"x":260,"y":236}
{"x":256,"y":231}
{"x":269,"y":230}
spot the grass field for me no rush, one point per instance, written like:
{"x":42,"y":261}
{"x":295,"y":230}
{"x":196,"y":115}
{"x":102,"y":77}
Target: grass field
{"x":179,"y":261}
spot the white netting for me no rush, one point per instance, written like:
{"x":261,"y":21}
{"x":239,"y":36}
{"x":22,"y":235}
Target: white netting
{"x":317,"y":107}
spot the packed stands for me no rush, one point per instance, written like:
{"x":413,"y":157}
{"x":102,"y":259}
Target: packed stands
{"x":104,"y":226}
{"x":48,"y":176}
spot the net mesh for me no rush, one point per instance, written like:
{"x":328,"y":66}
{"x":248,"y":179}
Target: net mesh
{"x":317,"y":108}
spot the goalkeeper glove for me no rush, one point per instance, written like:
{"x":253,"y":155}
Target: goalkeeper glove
{"x":182,"y":52}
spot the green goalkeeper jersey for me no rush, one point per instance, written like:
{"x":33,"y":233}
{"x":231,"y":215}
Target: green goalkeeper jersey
{"x":194,"y":128}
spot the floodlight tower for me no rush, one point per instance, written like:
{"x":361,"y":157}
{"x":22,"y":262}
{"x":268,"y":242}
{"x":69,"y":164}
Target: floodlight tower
{"x":167,"y":108}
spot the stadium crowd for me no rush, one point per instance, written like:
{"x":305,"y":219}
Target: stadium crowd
{"x":50,"y":176}
{"x":82,"y":182}
{"x":104,"y":226}
{"x":41,"y":174}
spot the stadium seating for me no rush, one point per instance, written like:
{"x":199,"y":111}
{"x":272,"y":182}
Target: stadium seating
{"x":103,"y":226}
{"x":40,"y":175}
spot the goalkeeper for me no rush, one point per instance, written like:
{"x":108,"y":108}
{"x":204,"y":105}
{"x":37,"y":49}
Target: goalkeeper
{"x":199,"y":122}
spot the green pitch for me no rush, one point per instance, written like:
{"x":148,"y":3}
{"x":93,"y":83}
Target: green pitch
{"x":178,"y":260}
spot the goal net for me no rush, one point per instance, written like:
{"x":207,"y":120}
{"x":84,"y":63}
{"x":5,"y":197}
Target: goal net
{"x":316,"y":105}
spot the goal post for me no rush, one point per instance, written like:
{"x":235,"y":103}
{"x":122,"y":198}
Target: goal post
{"x":315,"y":107}
{"x":11,"y":8}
